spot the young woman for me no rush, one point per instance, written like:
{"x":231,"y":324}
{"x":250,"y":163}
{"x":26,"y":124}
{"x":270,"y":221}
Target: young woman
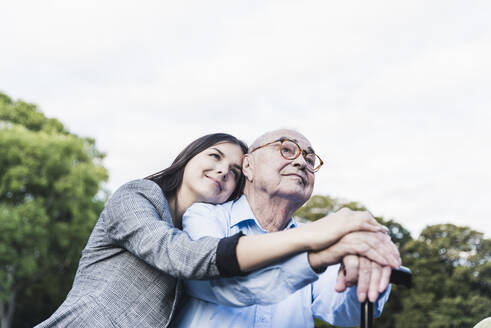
{"x":129,"y":272}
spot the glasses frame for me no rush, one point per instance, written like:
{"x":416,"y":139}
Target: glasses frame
{"x":302,"y":151}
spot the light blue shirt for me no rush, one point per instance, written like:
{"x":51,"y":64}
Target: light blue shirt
{"x":286,"y":294}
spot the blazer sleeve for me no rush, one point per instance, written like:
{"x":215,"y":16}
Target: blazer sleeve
{"x":137,"y":218}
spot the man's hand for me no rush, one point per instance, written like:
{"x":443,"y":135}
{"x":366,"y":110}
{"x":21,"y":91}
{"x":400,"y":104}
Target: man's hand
{"x":372,"y":279}
{"x":376,"y":247}
{"x":328,"y":230}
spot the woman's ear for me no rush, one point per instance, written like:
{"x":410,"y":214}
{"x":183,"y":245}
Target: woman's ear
{"x":248,"y":167}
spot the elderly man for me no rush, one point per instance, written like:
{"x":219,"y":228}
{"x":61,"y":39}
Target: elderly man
{"x":279,"y":172}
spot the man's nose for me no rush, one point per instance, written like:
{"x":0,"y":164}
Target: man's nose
{"x":300,"y":162}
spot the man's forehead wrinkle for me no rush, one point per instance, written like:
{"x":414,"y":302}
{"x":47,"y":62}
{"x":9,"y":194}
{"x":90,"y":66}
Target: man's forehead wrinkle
{"x":263,"y":139}
{"x":276,"y":134}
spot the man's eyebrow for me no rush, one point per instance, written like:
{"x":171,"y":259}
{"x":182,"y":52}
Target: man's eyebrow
{"x":308,"y":150}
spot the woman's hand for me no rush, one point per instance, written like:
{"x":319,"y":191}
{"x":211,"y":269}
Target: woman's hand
{"x":375,"y":246}
{"x":314,"y":236}
{"x":329,"y":229}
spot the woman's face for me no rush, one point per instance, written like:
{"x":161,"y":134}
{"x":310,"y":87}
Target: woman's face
{"x":212,"y":175}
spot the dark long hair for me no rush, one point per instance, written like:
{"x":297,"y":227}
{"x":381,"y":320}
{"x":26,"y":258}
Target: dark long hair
{"x":170,"y":179}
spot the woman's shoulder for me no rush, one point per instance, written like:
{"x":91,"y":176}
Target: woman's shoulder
{"x":140,"y":188}
{"x":141,"y":185}
{"x":138,"y":195}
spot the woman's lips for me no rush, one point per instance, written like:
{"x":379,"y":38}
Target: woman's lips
{"x":216,"y":182}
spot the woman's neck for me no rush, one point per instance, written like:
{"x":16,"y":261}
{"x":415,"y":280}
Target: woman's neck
{"x":178,"y":204}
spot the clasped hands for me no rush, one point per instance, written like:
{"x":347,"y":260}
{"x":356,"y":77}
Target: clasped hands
{"x":362,"y":246}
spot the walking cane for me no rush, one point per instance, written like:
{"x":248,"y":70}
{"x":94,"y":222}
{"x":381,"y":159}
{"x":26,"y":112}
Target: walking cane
{"x":401,"y":276}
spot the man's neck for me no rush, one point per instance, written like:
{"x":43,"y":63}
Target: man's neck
{"x":272,"y":213}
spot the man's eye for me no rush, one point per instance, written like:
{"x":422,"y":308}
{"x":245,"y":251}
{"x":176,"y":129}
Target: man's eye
{"x":310,"y":160}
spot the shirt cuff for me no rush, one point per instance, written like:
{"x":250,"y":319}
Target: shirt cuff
{"x":227,"y":262}
{"x":381,"y":300}
{"x":300,"y":273}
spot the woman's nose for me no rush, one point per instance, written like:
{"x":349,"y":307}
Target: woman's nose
{"x":223,"y":173}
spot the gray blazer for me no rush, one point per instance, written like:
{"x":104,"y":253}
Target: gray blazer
{"x":125,"y":277}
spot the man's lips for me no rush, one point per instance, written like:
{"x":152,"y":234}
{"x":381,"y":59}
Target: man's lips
{"x":219,"y":185}
{"x":304,"y":180}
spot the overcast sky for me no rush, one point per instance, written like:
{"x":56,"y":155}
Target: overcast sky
{"x":395,"y":96}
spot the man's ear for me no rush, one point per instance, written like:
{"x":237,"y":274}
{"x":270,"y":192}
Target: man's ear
{"x":248,"y":167}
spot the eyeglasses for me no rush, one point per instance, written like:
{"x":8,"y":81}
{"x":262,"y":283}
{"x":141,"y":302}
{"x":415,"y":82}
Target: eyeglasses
{"x":290,"y":150}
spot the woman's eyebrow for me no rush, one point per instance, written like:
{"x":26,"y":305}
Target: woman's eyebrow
{"x":218,"y":150}
{"x":237,"y":166}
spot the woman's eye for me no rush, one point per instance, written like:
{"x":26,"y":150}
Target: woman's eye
{"x":216,"y":156}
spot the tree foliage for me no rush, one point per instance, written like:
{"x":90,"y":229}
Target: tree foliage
{"x":49,"y":201}
{"x":451,"y":267}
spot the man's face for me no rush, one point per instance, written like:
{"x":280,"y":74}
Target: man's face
{"x":280,"y":177}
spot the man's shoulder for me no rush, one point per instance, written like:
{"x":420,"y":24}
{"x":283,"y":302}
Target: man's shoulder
{"x":203,"y":219}
{"x":223,"y":209}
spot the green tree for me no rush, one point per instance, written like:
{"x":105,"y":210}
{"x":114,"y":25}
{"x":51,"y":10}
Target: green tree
{"x":451,"y":267}
{"x":50,"y":183}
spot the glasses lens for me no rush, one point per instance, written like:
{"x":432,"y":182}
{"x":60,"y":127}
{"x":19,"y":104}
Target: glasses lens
{"x":311,"y":160}
{"x":289,"y":149}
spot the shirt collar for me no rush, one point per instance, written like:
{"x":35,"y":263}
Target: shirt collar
{"x":241,"y":212}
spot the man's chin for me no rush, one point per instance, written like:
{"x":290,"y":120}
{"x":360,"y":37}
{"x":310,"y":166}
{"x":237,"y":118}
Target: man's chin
{"x":297,"y":179}
{"x":296,"y":184}
{"x":296,"y":194}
